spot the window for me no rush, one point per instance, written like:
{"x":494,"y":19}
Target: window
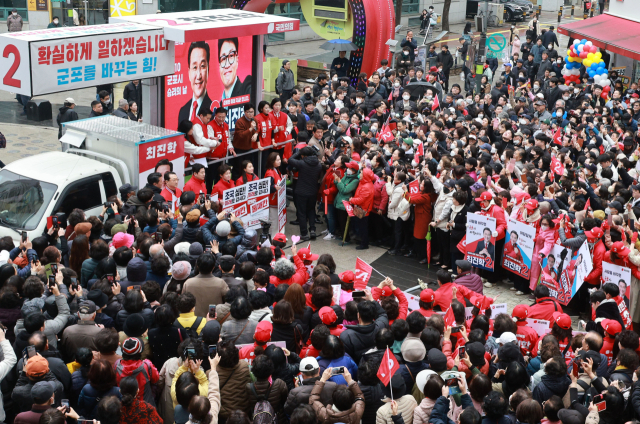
{"x":110,"y":188}
{"x":23,"y":200}
{"x":83,"y":194}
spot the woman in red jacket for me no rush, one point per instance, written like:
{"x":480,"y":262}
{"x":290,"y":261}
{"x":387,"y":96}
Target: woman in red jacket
{"x":282,"y":128}
{"x":265,"y":130}
{"x":328,"y":192}
{"x":363,"y":197}
{"x":378,"y":225}
{"x":273,"y":172}
{"x":423,"y":201}
{"x":225,"y":182}
{"x":247,"y":173}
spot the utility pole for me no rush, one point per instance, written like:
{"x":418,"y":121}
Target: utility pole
{"x":482,"y":48}
{"x":398,"y":11}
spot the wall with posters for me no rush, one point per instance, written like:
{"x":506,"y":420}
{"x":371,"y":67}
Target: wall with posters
{"x":216,"y":73}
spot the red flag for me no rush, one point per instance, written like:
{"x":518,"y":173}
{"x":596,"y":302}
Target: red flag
{"x":557,"y":137}
{"x":587,"y":205}
{"x":557,"y":167}
{"x":436,"y":103}
{"x":449,"y":319}
{"x":414,"y":187}
{"x":385,"y":133}
{"x":420,"y":149}
{"x":363,"y":273}
{"x":388,"y":367}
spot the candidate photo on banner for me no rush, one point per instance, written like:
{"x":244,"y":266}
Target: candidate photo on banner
{"x":550,"y":270}
{"x":518,"y":248}
{"x":210,"y":73}
{"x":579,"y":267}
{"x":481,"y":244}
{"x":618,"y":275}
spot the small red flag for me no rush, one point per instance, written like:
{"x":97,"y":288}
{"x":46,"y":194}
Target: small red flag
{"x":385,"y":133}
{"x":436,"y":103}
{"x":557,"y":137}
{"x":388,"y":367}
{"x":414,"y":187}
{"x":587,"y":205}
{"x":363,"y":273}
{"x":449,"y":319}
{"x":420,"y":149}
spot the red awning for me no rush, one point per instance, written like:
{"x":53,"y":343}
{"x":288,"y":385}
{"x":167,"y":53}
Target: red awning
{"x":612,"y":33}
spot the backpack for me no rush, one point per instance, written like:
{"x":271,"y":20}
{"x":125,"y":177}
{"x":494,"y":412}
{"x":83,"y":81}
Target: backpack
{"x":192,"y":331}
{"x":148,"y":390}
{"x":263,"y":412}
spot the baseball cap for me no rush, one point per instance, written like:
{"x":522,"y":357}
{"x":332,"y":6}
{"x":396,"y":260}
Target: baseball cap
{"x":427,"y":296}
{"x":484,"y":196}
{"x":521,"y":312}
{"x":482,"y":302}
{"x":327,"y":315}
{"x":594,"y":234}
{"x":263,"y":331}
{"x":37,"y":366}
{"x":563,"y":320}
{"x":485,"y":146}
{"x":531,"y":205}
{"x":352,"y":165}
{"x":463,"y":264}
{"x":70,"y":100}
{"x":309,"y":364}
{"x":87,"y":307}
{"x":280,"y":237}
{"x":306,"y":255}
{"x":122,"y":239}
{"x":126,"y":189}
{"x":42,"y":392}
{"x":611,"y":326}
{"x":386,"y":291}
{"x":507,"y":337}
{"x":347,"y":276}
{"x":620,"y":249}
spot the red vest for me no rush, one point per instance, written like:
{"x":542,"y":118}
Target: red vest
{"x":250,"y":177}
{"x":205,"y":132}
{"x":265,"y":129}
{"x":277,"y":177}
{"x":220,"y":131}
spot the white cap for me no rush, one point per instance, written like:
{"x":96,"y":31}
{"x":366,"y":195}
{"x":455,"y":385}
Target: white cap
{"x":70,"y":100}
{"x":182,"y":247}
{"x":309,"y":364}
{"x":507,"y":337}
{"x":422,"y":378}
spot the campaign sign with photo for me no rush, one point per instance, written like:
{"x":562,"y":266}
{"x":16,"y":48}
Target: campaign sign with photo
{"x":209,"y":73}
{"x":150,"y":152}
{"x":563,"y":273}
{"x":616,"y":274}
{"x":541,"y":326}
{"x":481,"y":245}
{"x":518,"y":248}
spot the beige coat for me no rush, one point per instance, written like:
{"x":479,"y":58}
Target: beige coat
{"x":165,"y":404}
{"x":213,"y":395}
{"x":209,"y":290}
{"x":406,"y":405}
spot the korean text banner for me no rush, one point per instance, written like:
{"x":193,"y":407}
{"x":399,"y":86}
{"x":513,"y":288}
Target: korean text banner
{"x":518,"y":248}
{"x":249,"y":202}
{"x":72,"y":63}
{"x":564,"y":273}
{"x":616,"y":274}
{"x":153,"y":151}
{"x":481,"y":245}
{"x":212,"y":73}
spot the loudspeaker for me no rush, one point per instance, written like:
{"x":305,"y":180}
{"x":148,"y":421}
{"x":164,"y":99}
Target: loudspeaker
{"x":39,"y":110}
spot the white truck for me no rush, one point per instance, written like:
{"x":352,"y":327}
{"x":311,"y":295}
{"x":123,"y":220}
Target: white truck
{"x":35,"y":188}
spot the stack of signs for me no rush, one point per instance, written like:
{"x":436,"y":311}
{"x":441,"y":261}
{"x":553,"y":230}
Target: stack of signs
{"x":518,"y":248}
{"x":481,"y":245}
{"x":282,"y":203}
{"x":564,"y":273}
{"x":620,"y":276}
{"x":249,"y":202}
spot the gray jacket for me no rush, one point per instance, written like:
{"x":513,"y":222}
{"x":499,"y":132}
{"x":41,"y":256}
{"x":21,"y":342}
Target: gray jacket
{"x":239,"y":331}
{"x":573,"y":243}
{"x":300,"y":395}
{"x":14,"y":23}
{"x":285,"y":80}
{"x":52,"y":326}
{"x":544,"y":65}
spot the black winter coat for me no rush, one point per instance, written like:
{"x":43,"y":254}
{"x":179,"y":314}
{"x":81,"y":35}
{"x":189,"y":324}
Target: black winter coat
{"x":551,"y":385}
{"x":373,"y":396}
{"x":289,"y":333}
{"x":358,"y":339}
{"x":309,"y":170}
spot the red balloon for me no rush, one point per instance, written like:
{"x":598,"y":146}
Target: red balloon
{"x":594,"y":49}
{"x":604,"y":95}
{"x":607,"y":89}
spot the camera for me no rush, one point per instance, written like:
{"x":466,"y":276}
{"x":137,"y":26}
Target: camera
{"x":266,"y":225}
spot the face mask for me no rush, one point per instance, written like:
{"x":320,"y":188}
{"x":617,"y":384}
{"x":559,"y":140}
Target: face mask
{"x":450,"y":119}
{"x":453,"y":145}
{"x":55,"y":21}
{"x":607,"y":211}
{"x":349,"y":171}
{"x":323,"y":102}
{"x":565,"y":98}
{"x":429,"y":139}
{"x":516,"y":141}
{"x":550,"y":47}
{"x":370,"y":90}
{"x":576,"y":90}
{"x":469,"y":101}
{"x":107,"y":101}
{"x":358,"y":100}
{"x":439,"y":167}
{"x":544,"y":227}
{"x":396,"y":84}
{"x":405,"y":53}
{"x":406,"y":96}
{"x":522,"y":121}
{"x":633,"y":101}
{"x":536,"y":87}
{"x":480,"y":115}
{"x":503,"y":158}
{"x":493,"y":150}
{"x":335,"y":78}
{"x":429,"y":97}
{"x":439,"y":69}
{"x":14,"y":13}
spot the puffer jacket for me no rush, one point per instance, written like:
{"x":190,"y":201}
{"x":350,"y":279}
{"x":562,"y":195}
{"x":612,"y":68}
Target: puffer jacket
{"x":328,"y":187}
{"x":346,"y":188}
{"x":14,"y":23}
{"x":328,"y":415}
{"x":549,"y":386}
{"x":277,"y":396}
{"x":233,"y":383}
{"x":422,"y":413}
{"x":78,"y":380}
{"x":344,"y":361}
{"x":114,"y":305}
{"x":309,"y":171}
{"x":248,"y":243}
{"x":7,"y":364}
{"x":21,"y":394}
{"x":300,"y":395}
{"x":442,"y":209}
{"x":373,"y":396}
{"x":300,"y":277}
{"x":380,"y":196}
{"x":396,"y":194}
{"x":90,"y":397}
{"x":363,"y":196}
{"x":147,"y":314}
{"x":406,"y":406}
{"x":470,"y":281}
{"x":190,"y":231}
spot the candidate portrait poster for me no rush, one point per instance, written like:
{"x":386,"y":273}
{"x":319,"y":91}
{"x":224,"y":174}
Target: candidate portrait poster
{"x":563,"y":272}
{"x":212,"y":73}
{"x":518,"y":248}
{"x":616,"y":274}
{"x":481,"y":245}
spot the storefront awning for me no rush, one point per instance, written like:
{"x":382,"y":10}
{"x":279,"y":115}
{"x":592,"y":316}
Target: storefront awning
{"x":617,"y":35}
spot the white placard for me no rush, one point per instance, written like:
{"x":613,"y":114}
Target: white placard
{"x":540,"y":326}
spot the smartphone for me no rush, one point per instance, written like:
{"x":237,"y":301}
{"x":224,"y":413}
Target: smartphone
{"x":602,"y":406}
{"x":54,"y":269}
{"x":575,"y":368}
{"x":134,"y":288}
{"x":212,"y":311}
{"x":462,"y":350}
{"x":358,"y":293}
{"x":207,"y":249}
{"x":52,"y":281}
{"x":213,"y":350}
{"x":299,"y":378}
{"x":632,"y":224}
{"x":541,"y":187}
{"x":190,"y":353}
{"x":504,"y":202}
{"x":202,"y":198}
{"x":453,"y":385}
{"x":158,"y":237}
{"x":227,"y":215}
{"x":54,"y":222}
{"x":337,"y":370}
{"x":597,"y":398}
{"x":111,"y":278}
{"x":552,"y":189}
{"x":23,"y":235}
{"x":65,"y":403}
{"x":31,"y":351}
{"x":74,"y":283}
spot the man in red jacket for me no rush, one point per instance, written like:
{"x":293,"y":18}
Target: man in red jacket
{"x":328,"y":192}
{"x":611,"y":327}
{"x":527,"y":336}
{"x":489,"y":208}
{"x":445,"y":292}
{"x":427,"y":297}
{"x":597,"y":249}
{"x":545,"y":305}
{"x":363,"y":197}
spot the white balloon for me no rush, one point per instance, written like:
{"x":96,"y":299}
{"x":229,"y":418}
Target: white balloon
{"x":580,"y":47}
{"x":575,"y":72}
{"x":588,"y":43}
{"x":576,"y":42}
{"x":605,"y":82}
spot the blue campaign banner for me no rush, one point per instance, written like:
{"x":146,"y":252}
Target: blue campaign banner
{"x":518,"y":248}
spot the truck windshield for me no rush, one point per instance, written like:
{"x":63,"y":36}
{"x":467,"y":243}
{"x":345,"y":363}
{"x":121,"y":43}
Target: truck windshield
{"x":23,"y":200}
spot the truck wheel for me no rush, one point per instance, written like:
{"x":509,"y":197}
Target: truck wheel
{"x":509,"y":16}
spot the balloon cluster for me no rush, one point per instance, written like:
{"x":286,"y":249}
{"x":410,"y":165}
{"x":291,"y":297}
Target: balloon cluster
{"x":583,"y":52}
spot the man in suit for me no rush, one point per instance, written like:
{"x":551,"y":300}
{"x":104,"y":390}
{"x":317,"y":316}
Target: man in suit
{"x":198,"y":61}
{"x":485,"y":247}
{"x":228,"y":59}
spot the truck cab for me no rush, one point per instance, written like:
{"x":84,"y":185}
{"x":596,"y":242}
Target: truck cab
{"x":37,"y":187}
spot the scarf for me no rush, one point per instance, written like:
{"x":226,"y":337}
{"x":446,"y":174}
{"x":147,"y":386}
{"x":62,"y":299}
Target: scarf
{"x":454,"y":211}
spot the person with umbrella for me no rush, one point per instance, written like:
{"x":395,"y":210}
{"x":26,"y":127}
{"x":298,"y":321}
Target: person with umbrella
{"x":340,"y":64}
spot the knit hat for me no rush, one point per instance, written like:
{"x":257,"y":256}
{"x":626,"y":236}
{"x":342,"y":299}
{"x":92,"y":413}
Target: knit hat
{"x":135,"y":325}
{"x":82,"y":228}
{"x":263,"y":331}
{"x":118,"y":228}
{"x":599,"y":214}
{"x":327,"y":315}
{"x":37,"y":366}
{"x":121,"y":239}
{"x":181,"y":270}
{"x":137,"y":270}
{"x":413,"y":350}
{"x":437,"y":360}
{"x":223,"y":228}
{"x":32,"y":306}
{"x":132,"y":346}
{"x":193,"y":216}
{"x":182,"y":247}
{"x":195,"y":249}
{"x":99,"y":299}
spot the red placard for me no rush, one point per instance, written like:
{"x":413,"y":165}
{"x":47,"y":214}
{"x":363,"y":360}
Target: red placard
{"x":153,"y":151}
{"x":362,"y":274}
{"x":348,"y":208}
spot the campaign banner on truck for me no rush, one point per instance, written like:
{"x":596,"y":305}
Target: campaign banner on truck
{"x":481,"y":245}
{"x":282,"y":205}
{"x":518,"y":248}
{"x":564,"y":273}
{"x":249,"y":202}
{"x":153,"y":151}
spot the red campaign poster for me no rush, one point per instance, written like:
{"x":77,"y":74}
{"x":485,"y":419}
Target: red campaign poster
{"x":215,"y":72}
{"x":249,"y":202}
{"x":152,"y":151}
{"x":363,"y":274}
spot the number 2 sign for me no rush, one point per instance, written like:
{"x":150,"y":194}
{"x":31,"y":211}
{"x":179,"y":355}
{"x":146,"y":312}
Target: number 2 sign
{"x":14,"y":66}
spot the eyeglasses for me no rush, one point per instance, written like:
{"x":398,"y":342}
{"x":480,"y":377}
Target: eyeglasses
{"x":229,"y":59}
